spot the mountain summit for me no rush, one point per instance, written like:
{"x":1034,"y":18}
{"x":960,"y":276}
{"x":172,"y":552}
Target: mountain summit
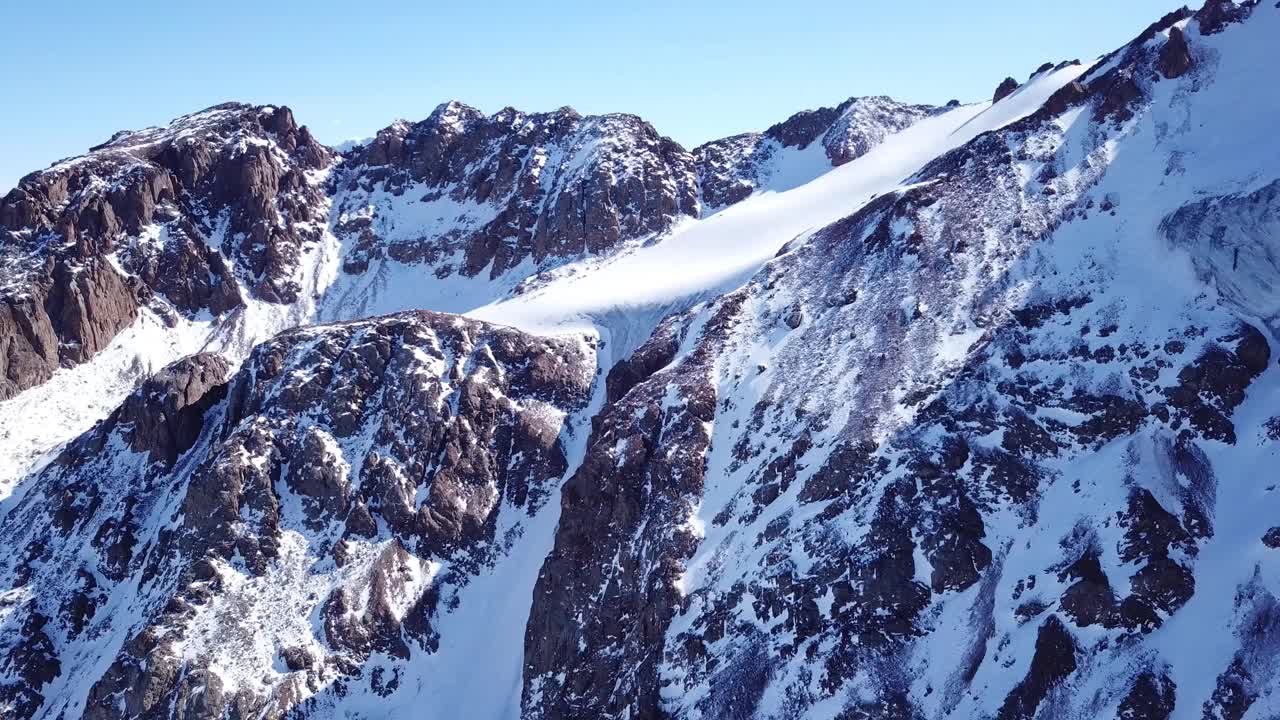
{"x":885,"y":411}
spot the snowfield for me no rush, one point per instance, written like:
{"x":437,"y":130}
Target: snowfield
{"x":624,"y":295}
{"x":982,"y":423}
{"x":705,"y":258}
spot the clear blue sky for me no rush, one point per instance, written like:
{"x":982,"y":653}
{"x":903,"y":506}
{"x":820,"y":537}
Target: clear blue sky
{"x":72,"y":73}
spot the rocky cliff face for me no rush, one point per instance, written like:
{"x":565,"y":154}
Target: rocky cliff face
{"x":238,"y":204}
{"x":184,"y":219}
{"x":232,"y":224}
{"x":977,"y":475}
{"x":467,"y":193}
{"x":358,"y":474}
{"x":958,"y":454}
{"x":798,"y":149}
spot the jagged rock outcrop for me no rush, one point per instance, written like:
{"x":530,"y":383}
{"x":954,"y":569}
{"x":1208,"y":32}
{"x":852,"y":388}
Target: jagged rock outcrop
{"x":1119,"y":81}
{"x":593,"y":617}
{"x":165,"y":415}
{"x":509,"y":187}
{"x":220,"y":208}
{"x":186,"y":218}
{"x":732,"y":169}
{"x":366,"y":471}
{"x":219,"y":227}
{"x":822,"y":530}
{"x":63,"y":317}
{"x":1175,"y":57}
{"x":1215,"y":15}
{"x":957,"y":454}
{"x":1004,"y":89}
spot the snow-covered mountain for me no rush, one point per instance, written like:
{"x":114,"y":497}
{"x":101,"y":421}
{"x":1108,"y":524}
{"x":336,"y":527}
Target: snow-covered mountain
{"x":799,"y":149}
{"x":887,"y":411}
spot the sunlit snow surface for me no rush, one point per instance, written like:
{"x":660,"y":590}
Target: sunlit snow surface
{"x":621,"y":298}
{"x":703,"y":258}
{"x":1192,"y":144}
{"x":477,"y":671}
{"x":35,"y":423}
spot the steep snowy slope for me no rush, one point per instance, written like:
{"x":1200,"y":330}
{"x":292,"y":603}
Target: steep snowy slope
{"x":232,"y":224}
{"x":795,"y":151}
{"x":350,"y":481}
{"x":627,"y":294}
{"x":209,"y":233}
{"x":982,"y":422}
{"x":963,"y":453}
{"x":477,"y":204}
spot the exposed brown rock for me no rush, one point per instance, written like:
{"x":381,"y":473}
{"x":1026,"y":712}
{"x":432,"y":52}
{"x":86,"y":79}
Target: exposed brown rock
{"x":166,"y":414}
{"x":1215,"y":15}
{"x":1118,"y":91}
{"x":638,"y":442}
{"x":1175,"y":57}
{"x":453,"y":426}
{"x":619,"y":180}
{"x":1210,"y":387}
{"x":1004,"y":89}
{"x":62,"y":319}
{"x":730,"y":169}
{"x":1090,"y":600}
{"x":68,"y":304}
{"x":1069,"y":95}
{"x":1152,"y":697}
{"x":1053,"y":662}
{"x":1236,"y":691}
